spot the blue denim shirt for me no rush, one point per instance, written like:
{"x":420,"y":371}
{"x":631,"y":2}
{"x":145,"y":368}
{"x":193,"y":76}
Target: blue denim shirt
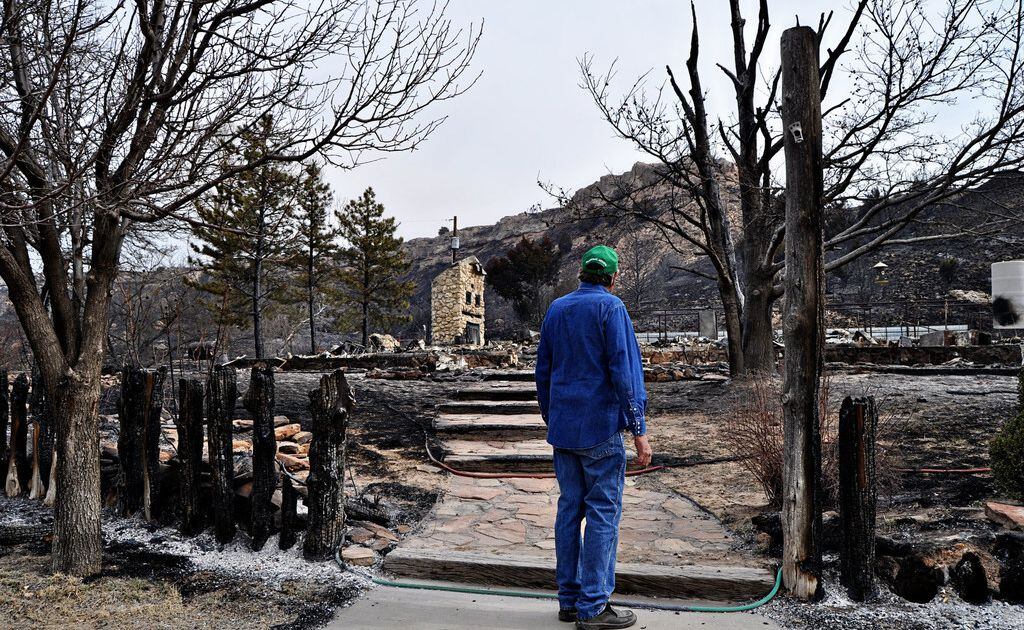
{"x":590,"y":381}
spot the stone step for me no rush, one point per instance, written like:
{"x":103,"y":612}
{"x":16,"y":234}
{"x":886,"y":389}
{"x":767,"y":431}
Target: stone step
{"x":725,"y":583}
{"x":488,"y":427}
{"x":501,"y":456}
{"x":509,"y":375}
{"x":490,"y":407}
{"x":497,"y":390}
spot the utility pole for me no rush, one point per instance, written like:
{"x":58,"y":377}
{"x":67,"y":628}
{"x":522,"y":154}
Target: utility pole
{"x":455,"y":239}
{"x":803,"y":317}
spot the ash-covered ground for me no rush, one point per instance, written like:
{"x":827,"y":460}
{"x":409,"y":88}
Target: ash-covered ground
{"x":943,"y":422}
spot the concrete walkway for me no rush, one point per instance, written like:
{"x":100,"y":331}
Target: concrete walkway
{"x":390,"y":608}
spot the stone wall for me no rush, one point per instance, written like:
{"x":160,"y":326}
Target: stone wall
{"x":457,"y":300}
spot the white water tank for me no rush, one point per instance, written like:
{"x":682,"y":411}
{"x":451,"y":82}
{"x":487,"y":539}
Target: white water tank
{"x":1008,"y":294}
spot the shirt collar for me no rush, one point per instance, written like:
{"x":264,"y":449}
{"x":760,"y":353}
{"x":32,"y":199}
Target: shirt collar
{"x":591,"y":287}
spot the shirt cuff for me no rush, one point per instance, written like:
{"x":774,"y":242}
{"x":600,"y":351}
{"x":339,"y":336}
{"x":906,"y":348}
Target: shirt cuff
{"x":637,"y":422}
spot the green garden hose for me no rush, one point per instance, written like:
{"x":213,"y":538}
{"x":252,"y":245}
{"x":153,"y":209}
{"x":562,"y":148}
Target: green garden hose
{"x":617,"y":602}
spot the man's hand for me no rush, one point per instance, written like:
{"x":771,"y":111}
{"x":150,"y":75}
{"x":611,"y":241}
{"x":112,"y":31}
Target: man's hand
{"x":643,"y":450}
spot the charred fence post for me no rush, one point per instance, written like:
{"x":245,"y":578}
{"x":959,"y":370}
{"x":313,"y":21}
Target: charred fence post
{"x":138,"y":441}
{"x":259,"y":400}
{"x":329,"y":407}
{"x":857,"y":493}
{"x":289,"y":518}
{"x":5,"y":408}
{"x":190,"y":452}
{"x":42,"y":436}
{"x":221,"y":394}
{"x":17,"y":459}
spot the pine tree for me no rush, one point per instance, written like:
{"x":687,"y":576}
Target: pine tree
{"x":317,"y":248}
{"x":247,"y":238}
{"x":372,"y":263}
{"x":522,"y":275}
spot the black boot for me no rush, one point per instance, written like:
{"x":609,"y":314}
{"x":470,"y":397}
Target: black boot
{"x":567,"y":614}
{"x":608,"y":618}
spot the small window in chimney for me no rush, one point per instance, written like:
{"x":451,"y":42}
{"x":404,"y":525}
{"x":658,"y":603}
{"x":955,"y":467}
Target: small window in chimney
{"x":469,"y":298}
{"x":478,"y":299}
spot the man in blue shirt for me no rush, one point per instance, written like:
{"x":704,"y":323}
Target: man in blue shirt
{"x":590,"y":385}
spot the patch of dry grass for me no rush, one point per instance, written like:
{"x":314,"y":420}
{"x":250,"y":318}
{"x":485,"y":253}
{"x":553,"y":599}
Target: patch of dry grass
{"x":31,"y":597}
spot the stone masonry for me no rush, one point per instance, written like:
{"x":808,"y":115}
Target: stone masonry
{"x":457,"y":304}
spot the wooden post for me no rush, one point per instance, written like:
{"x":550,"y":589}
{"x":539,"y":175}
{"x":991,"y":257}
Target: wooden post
{"x":803,"y":318}
{"x":221,"y":395}
{"x":138,"y":441}
{"x":329,"y":407}
{"x":18,"y":470}
{"x":289,"y":519}
{"x":42,"y":436}
{"x":5,"y":408}
{"x":857,"y":421}
{"x":259,"y":400}
{"x":190,"y":453}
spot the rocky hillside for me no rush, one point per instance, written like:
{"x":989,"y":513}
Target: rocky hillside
{"x":924,"y":270}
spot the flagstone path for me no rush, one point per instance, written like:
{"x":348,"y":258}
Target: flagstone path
{"x":501,"y":531}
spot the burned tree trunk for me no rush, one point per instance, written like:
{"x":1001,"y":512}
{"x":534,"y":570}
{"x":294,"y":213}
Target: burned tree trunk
{"x":190,"y":453}
{"x":857,"y":421}
{"x":804,"y":314}
{"x":221,"y":395}
{"x":259,"y":400}
{"x":138,"y":442}
{"x":18,"y":470}
{"x":329,"y":407}
{"x":289,"y":517}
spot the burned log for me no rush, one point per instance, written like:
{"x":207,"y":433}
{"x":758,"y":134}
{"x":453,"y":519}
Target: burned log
{"x":190,"y":453}
{"x":18,"y":470}
{"x":857,"y":494}
{"x":259,"y":400}
{"x":18,"y":534}
{"x":138,"y":441}
{"x":329,"y":407}
{"x":221,"y":394}
{"x":289,"y":516}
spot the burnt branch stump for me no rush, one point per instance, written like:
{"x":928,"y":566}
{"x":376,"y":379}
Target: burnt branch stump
{"x":221,"y":394}
{"x":259,"y":400}
{"x":138,"y":440}
{"x":858,"y":419}
{"x":190,"y":453}
{"x":329,"y":407}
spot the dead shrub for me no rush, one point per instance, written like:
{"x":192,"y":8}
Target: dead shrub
{"x":754,"y":433}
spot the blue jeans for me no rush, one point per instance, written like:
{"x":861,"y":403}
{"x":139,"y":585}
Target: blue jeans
{"x":590,"y":481}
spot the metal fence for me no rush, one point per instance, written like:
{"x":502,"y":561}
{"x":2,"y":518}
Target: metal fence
{"x":881,"y":320}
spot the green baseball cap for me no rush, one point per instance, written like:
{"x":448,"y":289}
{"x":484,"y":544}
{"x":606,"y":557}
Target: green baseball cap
{"x":601,"y":260}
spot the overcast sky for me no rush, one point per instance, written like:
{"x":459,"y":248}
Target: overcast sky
{"x":527,"y":117}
